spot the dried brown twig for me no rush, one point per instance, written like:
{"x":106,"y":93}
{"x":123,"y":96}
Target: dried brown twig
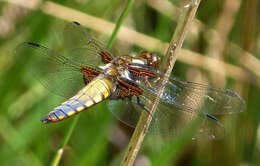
{"x":219,"y":40}
{"x":167,"y":66}
{"x":153,"y":44}
{"x":249,"y":61}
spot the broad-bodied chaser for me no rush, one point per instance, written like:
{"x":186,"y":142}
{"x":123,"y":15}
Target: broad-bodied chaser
{"x":94,"y":75}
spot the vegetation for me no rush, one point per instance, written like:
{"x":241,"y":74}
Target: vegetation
{"x":221,"y":49}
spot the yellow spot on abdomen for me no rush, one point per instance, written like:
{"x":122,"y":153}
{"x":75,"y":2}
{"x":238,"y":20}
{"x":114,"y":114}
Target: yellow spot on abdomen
{"x":106,"y":94}
{"x":72,"y":112}
{"x":89,"y":103}
{"x":97,"y":98}
{"x":81,"y":108}
{"x":61,"y":117}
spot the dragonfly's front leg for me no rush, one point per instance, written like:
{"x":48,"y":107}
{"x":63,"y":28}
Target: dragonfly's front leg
{"x":147,"y":83}
{"x":142,"y":105}
{"x":156,"y":87}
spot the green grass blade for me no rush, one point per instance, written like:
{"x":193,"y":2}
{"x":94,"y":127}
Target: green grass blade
{"x":59,"y":152}
{"x":119,"y":23}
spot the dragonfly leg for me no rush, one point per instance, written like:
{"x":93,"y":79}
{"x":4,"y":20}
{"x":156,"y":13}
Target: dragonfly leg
{"x":147,"y":83}
{"x":163,"y":84}
{"x":218,"y":130}
{"x":214,"y":118}
{"x":143,"y":106}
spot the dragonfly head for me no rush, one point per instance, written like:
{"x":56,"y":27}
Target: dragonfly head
{"x":152,"y":58}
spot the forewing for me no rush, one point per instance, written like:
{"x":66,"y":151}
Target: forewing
{"x":57,"y":73}
{"x":83,"y":47}
{"x":191,"y":96}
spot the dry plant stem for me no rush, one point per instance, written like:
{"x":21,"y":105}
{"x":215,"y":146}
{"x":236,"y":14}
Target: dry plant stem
{"x":249,"y":31}
{"x":249,"y":62}
{"x":218,"y":40}
{"x":167,"y":66}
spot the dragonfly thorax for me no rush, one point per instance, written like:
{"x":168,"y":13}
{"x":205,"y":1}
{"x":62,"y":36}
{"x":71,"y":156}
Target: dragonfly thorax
{"x":116,"y":70}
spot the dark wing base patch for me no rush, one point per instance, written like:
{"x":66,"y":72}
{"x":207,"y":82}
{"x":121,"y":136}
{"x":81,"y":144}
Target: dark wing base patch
{"x":88,"y":74}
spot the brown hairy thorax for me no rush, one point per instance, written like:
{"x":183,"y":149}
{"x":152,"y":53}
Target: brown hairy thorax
{"x":119,"y":68}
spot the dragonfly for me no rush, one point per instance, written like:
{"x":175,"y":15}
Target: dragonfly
{"x":87,"y":74}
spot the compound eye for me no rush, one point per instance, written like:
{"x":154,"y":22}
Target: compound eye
{"x":145,"y":54}
{"x":155,"y":60}
{"x":152,"y":59}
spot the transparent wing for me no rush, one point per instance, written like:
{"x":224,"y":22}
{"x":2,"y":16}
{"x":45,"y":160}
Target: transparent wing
{"x":180,"y":103}
{"x":83,"y":47}
{"x":191,"y":96}
{"x":125,"y":111}
{"x":57,"y":73}
{"x":168,"y":121}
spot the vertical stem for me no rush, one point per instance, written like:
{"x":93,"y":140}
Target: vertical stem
{"x":249,"y":35}
{"x":166,"y":67}
{"x":59,"y":152}
{"x":119,"y":23}
{"x":219,"y":39}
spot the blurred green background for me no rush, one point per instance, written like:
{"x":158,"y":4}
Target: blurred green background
{"x":224,"y":30}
